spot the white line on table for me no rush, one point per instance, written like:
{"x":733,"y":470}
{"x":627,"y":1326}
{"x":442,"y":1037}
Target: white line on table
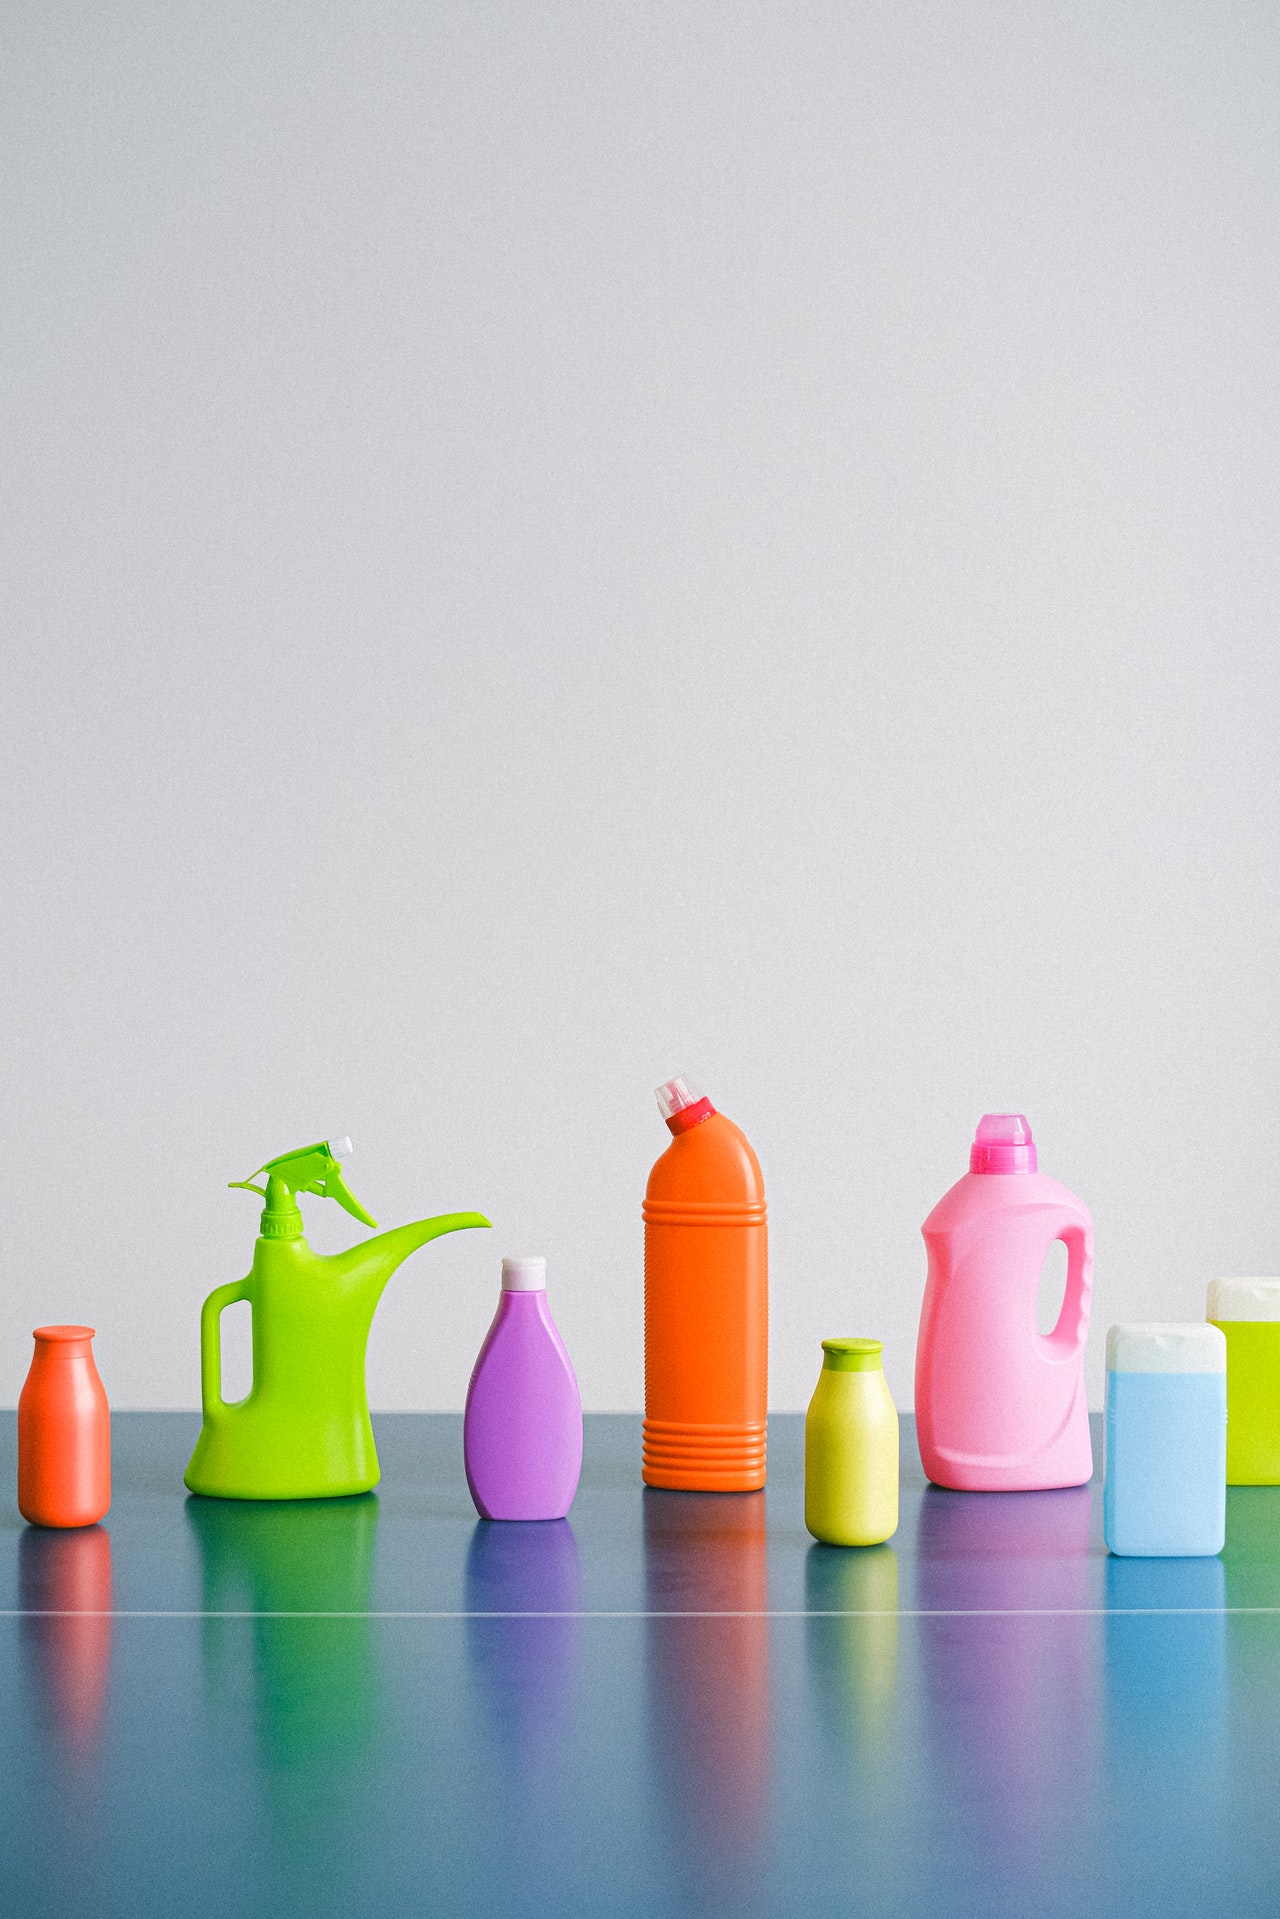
{"x":869,"y":1612}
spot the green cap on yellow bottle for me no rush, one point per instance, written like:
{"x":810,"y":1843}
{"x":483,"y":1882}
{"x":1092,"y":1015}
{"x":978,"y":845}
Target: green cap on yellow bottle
{"x":852,"y":1355}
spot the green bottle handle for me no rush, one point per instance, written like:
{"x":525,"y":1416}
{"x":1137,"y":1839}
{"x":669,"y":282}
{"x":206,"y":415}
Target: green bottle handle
{"x":211,"y":1344}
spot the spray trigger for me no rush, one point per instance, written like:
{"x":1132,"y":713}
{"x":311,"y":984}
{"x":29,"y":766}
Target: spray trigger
{"x":312,"y":1169}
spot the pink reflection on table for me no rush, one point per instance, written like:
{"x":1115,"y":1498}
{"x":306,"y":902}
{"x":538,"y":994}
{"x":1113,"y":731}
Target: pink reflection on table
{"x":1010,"y":1660}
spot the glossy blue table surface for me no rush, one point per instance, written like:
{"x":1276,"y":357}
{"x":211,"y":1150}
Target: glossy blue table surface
{"x":671,"y":1703}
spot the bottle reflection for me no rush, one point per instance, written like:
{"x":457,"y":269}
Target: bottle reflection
{"x":705,"y":1553}
{"x":1250,"y":1558}
{"x":1010,"y":1695}
{"x":1251,"y":1568}
{"x":854,"y":1660}
{"x":1165,"y":1668}
{"x":524,"y":1668}
{"x":311,"y":1679}
{"x":64,"y":1583}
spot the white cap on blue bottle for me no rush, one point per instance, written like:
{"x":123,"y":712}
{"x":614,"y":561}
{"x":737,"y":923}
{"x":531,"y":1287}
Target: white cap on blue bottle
{"x":1163,"y":1347}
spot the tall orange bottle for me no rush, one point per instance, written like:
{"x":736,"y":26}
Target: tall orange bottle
{"x":706,"y":1304}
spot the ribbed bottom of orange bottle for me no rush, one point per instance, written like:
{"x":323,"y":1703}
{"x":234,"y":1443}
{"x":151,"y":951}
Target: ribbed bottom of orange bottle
{"x":704,"y":1459}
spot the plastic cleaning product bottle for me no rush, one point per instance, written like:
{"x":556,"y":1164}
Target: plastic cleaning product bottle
{"x":303,"y":1430}
{"x":522,"y":1435}
{"x":64,"y":1432}
{"x":706,"y":1304}
{"x":1166,"y":1450}
{"x":1248,"y":1313}
{"x":851,"y":1448}
{"x":1001,"y":1407}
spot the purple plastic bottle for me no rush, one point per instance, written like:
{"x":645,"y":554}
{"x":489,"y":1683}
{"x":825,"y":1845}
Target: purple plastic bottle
{"x":522,"y":1436}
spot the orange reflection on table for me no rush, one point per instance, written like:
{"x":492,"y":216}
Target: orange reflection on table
{"x":707,"y":1636}
{"x":64,"y":1582}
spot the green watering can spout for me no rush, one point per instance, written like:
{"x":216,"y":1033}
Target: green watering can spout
{"x":303,"y":1430}
{"x":368,"y":1267}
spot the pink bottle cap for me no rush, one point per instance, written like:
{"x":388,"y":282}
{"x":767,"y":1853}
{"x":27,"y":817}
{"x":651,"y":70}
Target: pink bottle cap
{"x":1002,"y":1144}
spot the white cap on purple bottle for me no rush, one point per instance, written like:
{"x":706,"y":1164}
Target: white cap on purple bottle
{"x":525,"y":1274}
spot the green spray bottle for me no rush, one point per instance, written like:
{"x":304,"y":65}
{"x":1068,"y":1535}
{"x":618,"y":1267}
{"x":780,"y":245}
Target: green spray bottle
{"x":302,"y":1431}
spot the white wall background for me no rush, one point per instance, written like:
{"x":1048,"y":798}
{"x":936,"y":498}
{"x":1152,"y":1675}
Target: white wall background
{"x":545,"y":546}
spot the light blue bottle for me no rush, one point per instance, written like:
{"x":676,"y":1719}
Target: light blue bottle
{"x":1166,"y":1437}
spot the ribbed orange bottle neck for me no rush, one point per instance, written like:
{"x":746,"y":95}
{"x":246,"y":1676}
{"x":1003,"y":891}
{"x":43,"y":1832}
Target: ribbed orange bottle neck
{"x":692,"y":1212}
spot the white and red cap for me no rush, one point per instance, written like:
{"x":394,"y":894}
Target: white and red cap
{"x":682,"y":1105}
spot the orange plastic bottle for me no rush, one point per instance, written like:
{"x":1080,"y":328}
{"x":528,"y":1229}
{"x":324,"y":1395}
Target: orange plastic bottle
{"x":706,"y":1304}
{"x":64,"y":1432}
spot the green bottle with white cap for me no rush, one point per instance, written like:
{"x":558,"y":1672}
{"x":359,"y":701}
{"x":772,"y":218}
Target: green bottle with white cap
{"x":851,"y":1448}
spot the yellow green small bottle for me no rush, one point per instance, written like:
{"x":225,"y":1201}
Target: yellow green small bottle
{"x":1248,"y":1312}
{"x":851,"y":1448}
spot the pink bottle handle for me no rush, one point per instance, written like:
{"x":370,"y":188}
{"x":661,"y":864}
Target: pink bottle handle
{"x":1072,"y":1329}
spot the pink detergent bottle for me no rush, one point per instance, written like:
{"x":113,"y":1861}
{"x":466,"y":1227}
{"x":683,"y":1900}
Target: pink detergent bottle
{"x":1000,"y":1407}
{"x":522,"y":1435}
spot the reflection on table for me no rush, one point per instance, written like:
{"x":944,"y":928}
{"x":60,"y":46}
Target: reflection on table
{"x":1164,"y":1663}
{"x":1010,"y":1676}
{"x":297,"y":1669}
{"x":524,"y":1667}
{"x":64,"y":1584}
{"x":853,"y":1659}
{"x":1251,"y":1556}
{"x":1251,"y":1579}
{"x":708,"y":1680}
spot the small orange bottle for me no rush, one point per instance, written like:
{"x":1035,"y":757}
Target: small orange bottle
{"x":706,"y":1304}
{"x":64,"y":1432}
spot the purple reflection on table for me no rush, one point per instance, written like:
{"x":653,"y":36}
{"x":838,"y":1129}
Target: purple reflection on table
{"x":1004,"y":1551}
{"x":1010,"y":1669}
{"x":524,"y":1667}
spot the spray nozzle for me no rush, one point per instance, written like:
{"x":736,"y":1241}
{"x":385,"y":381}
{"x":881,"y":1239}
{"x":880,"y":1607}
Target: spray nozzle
{"x":311,"y":1169}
